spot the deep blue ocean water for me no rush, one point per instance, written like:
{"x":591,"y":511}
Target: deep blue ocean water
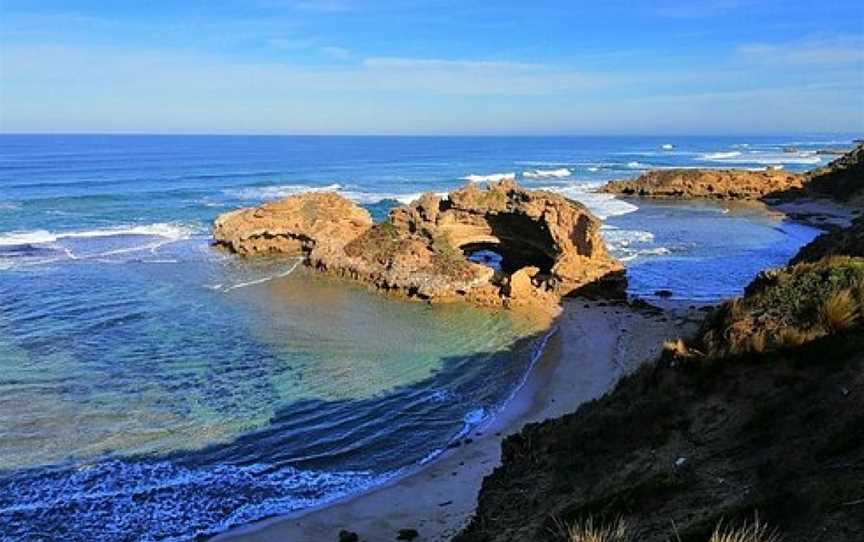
{"x":152,"y":388}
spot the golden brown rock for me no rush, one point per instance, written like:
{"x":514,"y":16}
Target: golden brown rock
{"x":293,"y":225}
{"x":550,"y":246}
{"x":735,"y":184}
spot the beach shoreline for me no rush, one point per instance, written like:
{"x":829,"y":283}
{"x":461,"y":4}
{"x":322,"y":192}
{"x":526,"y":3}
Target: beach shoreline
{"x":594,"y":343}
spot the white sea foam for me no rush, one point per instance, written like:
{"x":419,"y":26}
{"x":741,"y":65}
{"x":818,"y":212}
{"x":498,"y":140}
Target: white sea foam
{"x":261,"y":280}
{"x":264,"y":193}
{"x":9,"y":206}
{"x":713,"y":156}
{"x":602,"y":205}
{"x":763,"y":157}
{"x":637,"y":165}
{"x":378,"y":197}
{"x":544,"y":173}
{"x":41,"y":237}
{"x":491,"y":178}
{"x":277,"y":191}
{"x":627,"y":245}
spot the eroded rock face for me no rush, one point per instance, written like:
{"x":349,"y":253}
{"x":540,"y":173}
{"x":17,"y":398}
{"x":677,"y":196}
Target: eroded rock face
{"x":550,"y":246}
{"x":842,"y":179}
{"x":294,"y":225}
{"x":843,"y":242}
{"x":732,"y":184}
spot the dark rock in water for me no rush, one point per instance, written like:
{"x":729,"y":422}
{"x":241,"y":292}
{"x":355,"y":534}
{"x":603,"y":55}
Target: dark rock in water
{"x":348,"y":536}
{"x":663,"y":293}
{"x":407,"y":534}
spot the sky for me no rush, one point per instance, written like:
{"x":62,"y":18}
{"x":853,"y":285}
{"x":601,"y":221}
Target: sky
{"x":432,"y":66}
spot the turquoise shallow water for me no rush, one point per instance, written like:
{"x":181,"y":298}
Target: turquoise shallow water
{"x":152,"y":387}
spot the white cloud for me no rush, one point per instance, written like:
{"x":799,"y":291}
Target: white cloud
{"x":834,"y":52}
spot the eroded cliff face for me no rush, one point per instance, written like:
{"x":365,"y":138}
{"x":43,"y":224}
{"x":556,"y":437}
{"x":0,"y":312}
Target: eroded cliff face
{"x":729,"y":184}
{"x":549,"y":246}
{"x":842,"y":179}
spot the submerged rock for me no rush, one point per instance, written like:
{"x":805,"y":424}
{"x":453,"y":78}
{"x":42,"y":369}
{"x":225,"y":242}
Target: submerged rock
{"x":550,"y":246}
{"x":729,"y":184}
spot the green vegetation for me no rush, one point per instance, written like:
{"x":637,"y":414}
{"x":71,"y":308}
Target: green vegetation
{"x":380,"y":243}
{"x":449,"y":260}
{"x":786,"y":307}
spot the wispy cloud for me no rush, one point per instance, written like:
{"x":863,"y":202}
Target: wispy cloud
{"x":834,"y":52}
{"x":334,"y":52}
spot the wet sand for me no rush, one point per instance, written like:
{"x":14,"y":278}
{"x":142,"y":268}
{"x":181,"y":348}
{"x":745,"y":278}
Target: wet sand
{"x":594,"y":345}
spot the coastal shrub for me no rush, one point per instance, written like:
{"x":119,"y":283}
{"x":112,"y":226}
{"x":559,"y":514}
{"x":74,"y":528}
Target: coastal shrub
{"x":588,"y":530}
{"x":788,"y":307}
{"x":755,"y":532}
{"x":840,"y":311}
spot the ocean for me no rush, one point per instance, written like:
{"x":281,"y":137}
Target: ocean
{"x":153,"y":388}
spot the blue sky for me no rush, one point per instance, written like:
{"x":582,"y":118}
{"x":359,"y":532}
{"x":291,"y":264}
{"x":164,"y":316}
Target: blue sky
{"x":432,"y":66}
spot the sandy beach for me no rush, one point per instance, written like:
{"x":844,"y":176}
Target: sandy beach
{"x":595,"y":344}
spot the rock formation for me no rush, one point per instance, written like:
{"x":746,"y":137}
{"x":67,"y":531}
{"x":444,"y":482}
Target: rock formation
{"x":846,"y":241}
{"x":550,"y":246}
{"x":707,"y":183}
{"x":293,"y":225}
{"x":842,"y":179}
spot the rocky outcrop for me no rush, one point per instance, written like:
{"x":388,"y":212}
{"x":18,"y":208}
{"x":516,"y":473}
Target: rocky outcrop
{"x":550,"y":246}
{"x":729,"y":184}
{"x":842,"y":179}
{"x":847,"y":241}
{"x":293,"y":225}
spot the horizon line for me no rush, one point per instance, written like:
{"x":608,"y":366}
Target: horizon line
{"x":431,"y":135}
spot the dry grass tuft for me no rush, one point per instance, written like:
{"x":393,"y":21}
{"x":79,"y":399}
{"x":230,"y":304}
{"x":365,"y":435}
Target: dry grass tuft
{"x":758,"y":341}
{"x":757,"y":532}
{"x":589,"y":531}
{"x":676,"y":348}
{"x":840,"y":311}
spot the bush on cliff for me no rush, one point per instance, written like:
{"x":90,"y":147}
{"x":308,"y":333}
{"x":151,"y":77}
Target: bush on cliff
{"x":788,"y":307}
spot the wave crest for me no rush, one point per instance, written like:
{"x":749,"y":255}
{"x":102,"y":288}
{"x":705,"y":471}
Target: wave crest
{"x":544,"y":173}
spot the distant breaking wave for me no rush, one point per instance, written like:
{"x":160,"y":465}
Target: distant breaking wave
{"x":41,"y":237}
{"x":602,"y":205}
{"x":277,"y":191}
{"x":543,"y":173}
{"x":762,"y":157}
{"x":491,"y":178}
{"x":266,"y":193}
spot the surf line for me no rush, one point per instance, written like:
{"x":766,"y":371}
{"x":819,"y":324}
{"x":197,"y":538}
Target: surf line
{"x":258,"y":281}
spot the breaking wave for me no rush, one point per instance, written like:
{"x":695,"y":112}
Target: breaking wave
{"x":544,"y":173}
{"x":491,"y":178}
{"x":602,"y":205}
{"x":763,"y":157}
{"x":41,"y":237}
